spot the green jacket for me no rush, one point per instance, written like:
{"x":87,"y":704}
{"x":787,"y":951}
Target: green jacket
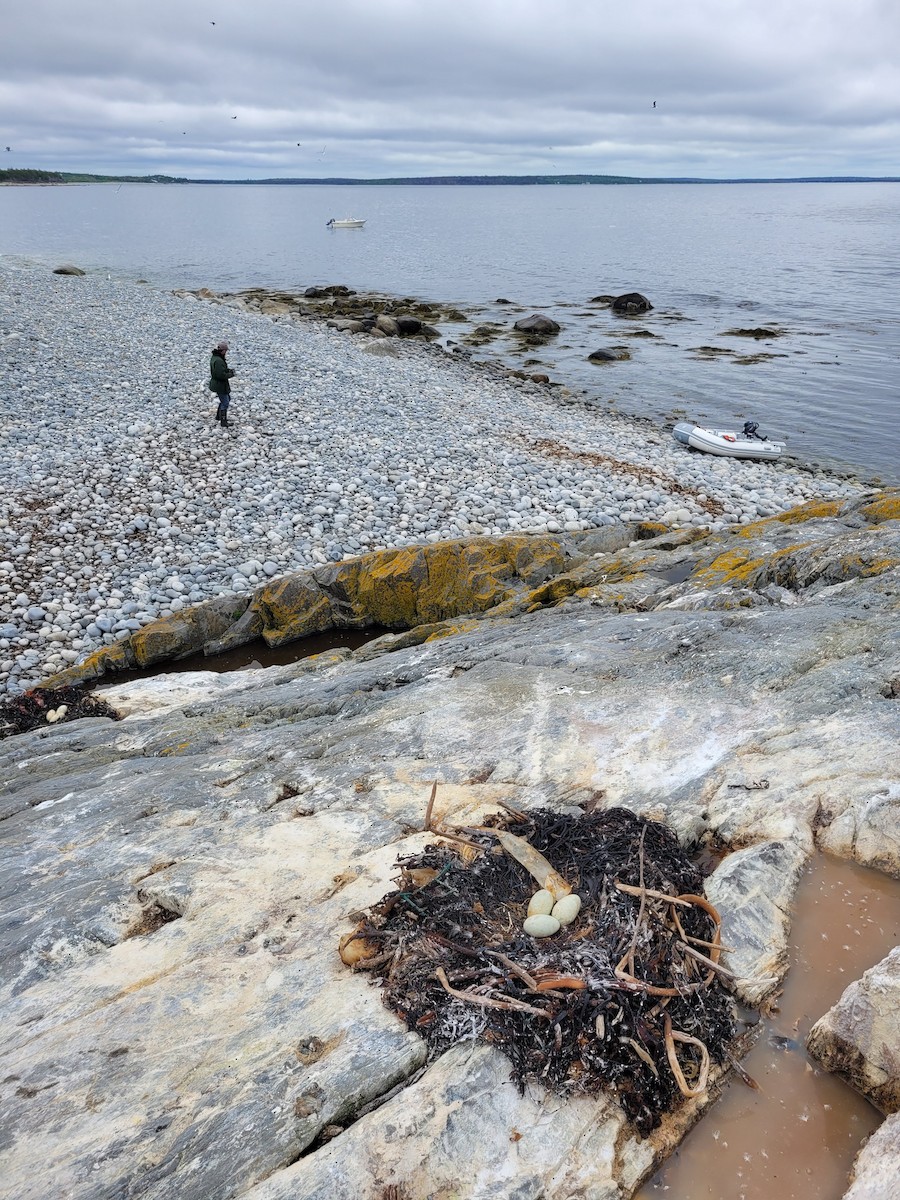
{"x":219,"y":374}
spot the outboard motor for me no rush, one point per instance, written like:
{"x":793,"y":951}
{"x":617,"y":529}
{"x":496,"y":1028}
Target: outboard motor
{"x":750,"y":432}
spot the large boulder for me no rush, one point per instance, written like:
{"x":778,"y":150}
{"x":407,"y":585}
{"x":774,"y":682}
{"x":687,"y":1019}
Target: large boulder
{"x":68,"y":269}
{"x":537,"y":325}
{"x":408,"y":326}
{"x":631,"y":303}
{"x":387,"y":325}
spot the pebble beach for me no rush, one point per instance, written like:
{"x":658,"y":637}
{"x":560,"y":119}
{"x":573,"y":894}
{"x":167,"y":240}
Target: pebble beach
{"x":121,"y":500}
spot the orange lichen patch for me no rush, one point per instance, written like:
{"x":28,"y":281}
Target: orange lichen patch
{"x":291,"y":608}
{"x":885,"y":508}
{"x":448,"y":629}
{"x":858,"y":566}
{"x":552,"y":592}
{"x":731,"y":567}
{"x":117,"y":657}
{"x":431,"y":583}
{"x":623,"y":571}
{"x":811,"y":511}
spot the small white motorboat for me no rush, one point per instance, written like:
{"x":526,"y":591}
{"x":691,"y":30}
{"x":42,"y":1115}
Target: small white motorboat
{"x":345,"y":223}
{"x":727,"y":444}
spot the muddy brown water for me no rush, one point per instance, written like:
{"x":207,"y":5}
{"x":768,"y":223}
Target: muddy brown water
{"x":796,"y":1138}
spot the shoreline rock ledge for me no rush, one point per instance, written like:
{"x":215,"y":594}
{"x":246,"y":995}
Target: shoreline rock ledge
{"x":178,"y":1023}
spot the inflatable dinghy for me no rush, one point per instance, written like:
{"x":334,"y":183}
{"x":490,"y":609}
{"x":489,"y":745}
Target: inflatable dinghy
{"x":746,"y":444}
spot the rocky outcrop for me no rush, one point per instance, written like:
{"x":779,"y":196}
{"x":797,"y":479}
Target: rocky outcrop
{"x":859,"y":1039}
{"x":632,"y":303}
{"x":758,"y":565}
{"x":398,"y":589}
{"x":177,"y":1018}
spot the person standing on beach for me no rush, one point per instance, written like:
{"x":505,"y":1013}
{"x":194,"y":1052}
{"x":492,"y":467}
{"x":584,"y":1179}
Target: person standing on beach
{"x":220,"y":375}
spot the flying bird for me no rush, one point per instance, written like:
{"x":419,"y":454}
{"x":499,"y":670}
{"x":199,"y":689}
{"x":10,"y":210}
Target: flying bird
{"x":654,"y":104}
{"x":7,"y":147}
{"x":234,"y":118}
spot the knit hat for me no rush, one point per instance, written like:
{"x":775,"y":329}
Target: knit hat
{"x":222,"y":346}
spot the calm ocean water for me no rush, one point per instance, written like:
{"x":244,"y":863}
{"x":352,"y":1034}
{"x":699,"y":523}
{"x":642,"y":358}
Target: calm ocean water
{"x":817,"y":262}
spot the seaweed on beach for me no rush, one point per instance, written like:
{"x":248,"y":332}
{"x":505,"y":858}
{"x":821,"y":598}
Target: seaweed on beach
{"x":50,"y":706}
{"x":626,"y":999}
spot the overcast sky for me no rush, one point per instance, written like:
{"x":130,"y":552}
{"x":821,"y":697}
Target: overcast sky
{"x":247,"y":89}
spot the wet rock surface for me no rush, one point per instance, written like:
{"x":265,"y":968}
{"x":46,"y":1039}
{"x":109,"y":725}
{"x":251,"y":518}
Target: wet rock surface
{"x":179,"y":1023}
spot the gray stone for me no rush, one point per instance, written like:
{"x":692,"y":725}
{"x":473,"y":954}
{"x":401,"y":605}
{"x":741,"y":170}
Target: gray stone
{"x":859,"y":1037}
{"x":537,"y":324}
{"x":877,"y":1166}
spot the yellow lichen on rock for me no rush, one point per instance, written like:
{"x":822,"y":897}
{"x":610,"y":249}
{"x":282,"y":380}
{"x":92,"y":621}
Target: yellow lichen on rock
{"x":116,"y":657}
{"x":159,"y":640}
{"x":403,"y":588}
{"x":813,"y":510}
{"x":291,"y":608}
{"x":885,"y":508}
{"x":731,"y":567}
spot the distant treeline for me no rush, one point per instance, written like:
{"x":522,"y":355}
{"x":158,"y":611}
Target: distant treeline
{"x":28,"y":175}
{"x":34,"y":176}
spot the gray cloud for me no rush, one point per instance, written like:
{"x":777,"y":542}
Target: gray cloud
{"x":743,"y":87}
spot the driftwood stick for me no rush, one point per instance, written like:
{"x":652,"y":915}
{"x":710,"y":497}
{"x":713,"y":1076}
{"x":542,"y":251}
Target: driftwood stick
{"x":513,"y":811}
{"x":518,"y":971}
{"x":427,"y":826}
{"x":455,"y":837}
{"x":642,"y":906}
{"x":633,"y":891}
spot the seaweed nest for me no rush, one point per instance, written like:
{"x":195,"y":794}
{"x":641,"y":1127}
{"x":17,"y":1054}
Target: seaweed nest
{"x":626,"y":999}
{"x":49,"y":706}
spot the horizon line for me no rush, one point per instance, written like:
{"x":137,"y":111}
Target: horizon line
{"x":449,"y":180}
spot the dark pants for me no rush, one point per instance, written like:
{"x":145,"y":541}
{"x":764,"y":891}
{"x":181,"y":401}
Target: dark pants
{"x":222,"y":410}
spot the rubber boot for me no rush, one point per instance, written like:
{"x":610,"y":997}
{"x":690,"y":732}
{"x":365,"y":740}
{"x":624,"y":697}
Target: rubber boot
{"x":220,"y":416}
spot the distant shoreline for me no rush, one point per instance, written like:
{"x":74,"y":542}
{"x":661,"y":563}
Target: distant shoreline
{"x":34,"y":177}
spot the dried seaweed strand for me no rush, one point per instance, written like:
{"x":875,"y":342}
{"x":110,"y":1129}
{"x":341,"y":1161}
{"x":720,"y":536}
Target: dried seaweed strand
{"x":707,"y":962}
{"x":488,"y":1001}
{"x":671,"y":1037}
{"x":571,"y":982}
